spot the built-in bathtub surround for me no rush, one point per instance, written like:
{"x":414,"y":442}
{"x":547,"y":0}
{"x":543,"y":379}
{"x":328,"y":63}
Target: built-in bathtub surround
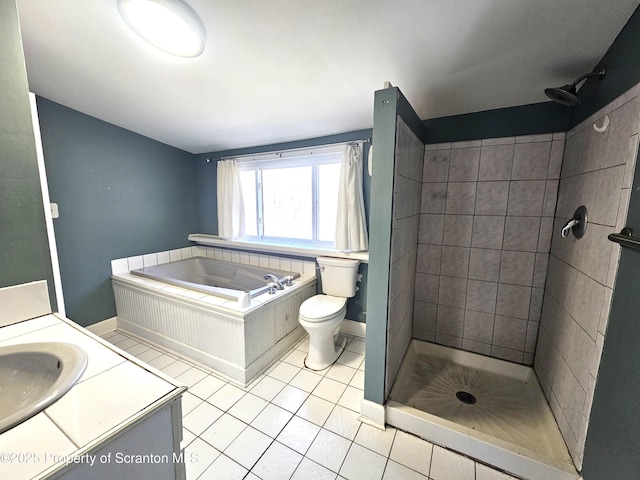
{"x":404,"y":243}
{"x":236,"y":339}
{"x":233,"y":281}
{"x":597,"y":172}
{"x":485,"y":231}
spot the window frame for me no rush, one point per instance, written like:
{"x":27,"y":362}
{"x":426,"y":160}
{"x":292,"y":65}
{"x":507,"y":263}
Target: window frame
{"x":312,"y":157}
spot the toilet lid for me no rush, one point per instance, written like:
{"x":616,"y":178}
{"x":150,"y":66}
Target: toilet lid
{"x":321,"y":306}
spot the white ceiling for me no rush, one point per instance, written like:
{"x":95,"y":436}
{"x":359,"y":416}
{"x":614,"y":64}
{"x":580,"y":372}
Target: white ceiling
{"x":281,"y":70}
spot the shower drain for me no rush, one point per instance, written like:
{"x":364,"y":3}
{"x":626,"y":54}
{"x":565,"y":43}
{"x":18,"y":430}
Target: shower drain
{"x":466,"y":397}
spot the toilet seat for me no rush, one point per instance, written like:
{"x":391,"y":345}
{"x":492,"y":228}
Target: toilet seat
{"x":321,"y":308}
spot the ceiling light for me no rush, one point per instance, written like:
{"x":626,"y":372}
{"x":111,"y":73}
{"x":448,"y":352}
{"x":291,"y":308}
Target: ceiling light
{"x":170,"y":25}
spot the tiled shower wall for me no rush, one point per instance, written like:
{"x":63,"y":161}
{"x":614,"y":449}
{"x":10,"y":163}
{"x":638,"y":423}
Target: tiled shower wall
{"x":485,"y":229}
{"x":598,"y":173}
{"x":404,"y":242}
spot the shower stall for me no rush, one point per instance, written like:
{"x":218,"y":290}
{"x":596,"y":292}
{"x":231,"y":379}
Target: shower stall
{"x":484,"y":325}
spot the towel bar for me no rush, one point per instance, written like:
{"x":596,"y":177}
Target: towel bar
{"x":626,"y":239}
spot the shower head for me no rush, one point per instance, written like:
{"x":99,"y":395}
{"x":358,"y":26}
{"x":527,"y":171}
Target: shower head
{"x":566,"y":95}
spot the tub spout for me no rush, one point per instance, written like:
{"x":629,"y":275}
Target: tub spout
{"x":244,"y":300}
{"x":274,"y":279}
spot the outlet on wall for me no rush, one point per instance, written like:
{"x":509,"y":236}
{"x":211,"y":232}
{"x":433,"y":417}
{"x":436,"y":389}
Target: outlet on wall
{"x":54,"y":210}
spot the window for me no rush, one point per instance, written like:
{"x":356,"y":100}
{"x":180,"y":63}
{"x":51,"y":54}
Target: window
{"x":292,"y":197}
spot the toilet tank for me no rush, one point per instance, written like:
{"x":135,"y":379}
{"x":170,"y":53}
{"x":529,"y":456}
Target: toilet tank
{"x":339,"y":276}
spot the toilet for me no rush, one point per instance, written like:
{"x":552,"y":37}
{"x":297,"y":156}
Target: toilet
{"x":321,"y":315}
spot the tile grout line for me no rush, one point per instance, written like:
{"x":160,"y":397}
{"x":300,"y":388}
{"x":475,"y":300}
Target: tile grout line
{"x":303,"y":456}
{"x":274,"y":439}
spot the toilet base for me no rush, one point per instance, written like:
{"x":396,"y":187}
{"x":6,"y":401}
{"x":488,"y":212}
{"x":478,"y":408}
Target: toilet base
{"x":327,"y":358}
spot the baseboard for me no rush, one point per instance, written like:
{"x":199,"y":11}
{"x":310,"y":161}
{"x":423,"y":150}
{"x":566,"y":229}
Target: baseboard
{"x":105,"y":326}
{"x":372,"y":414}
{"x":351,"y":327}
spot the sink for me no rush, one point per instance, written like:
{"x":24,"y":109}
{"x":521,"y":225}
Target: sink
{"x":34,"y":375}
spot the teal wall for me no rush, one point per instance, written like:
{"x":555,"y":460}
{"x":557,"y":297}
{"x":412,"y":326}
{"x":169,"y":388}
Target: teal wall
{"x":613,"y":442}
{"x":119,"y":194}
{"x":612,"y":445}
{"x":622,"y":60}
{"x":207,"y":178}
{"x":24,"y":249}
{"x":384,"y":134}
{"x":388,"y":105}
{"x":534,"y":119}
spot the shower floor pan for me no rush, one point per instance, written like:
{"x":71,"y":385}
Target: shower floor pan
{"x":488,"y":409}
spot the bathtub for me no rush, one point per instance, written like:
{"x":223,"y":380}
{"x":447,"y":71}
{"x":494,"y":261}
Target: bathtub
{"x":218,"y":313}
{"x":228,"y":280}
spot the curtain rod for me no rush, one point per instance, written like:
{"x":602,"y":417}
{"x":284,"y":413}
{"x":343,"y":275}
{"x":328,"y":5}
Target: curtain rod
{"x":275,"y":152}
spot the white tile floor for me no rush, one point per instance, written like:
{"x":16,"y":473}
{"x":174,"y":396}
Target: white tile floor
{"x":293,"y":423}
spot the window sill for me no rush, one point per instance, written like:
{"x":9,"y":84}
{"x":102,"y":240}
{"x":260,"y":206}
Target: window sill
{"x":310,"y":252}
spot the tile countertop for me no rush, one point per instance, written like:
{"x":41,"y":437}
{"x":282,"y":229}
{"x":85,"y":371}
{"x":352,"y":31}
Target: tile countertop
{"x":115,"y":391}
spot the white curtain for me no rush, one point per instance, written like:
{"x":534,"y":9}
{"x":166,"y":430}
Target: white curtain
{"x":351,"y":227}
{"x":230,"y":204}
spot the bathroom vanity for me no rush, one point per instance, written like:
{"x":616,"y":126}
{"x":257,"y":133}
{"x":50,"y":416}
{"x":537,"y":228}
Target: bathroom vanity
{"x":122,"y":419}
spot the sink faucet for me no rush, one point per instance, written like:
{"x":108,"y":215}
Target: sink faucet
{"x":274,"y":279}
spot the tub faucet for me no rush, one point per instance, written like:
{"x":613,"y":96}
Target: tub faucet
{"x":274,"y":279}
